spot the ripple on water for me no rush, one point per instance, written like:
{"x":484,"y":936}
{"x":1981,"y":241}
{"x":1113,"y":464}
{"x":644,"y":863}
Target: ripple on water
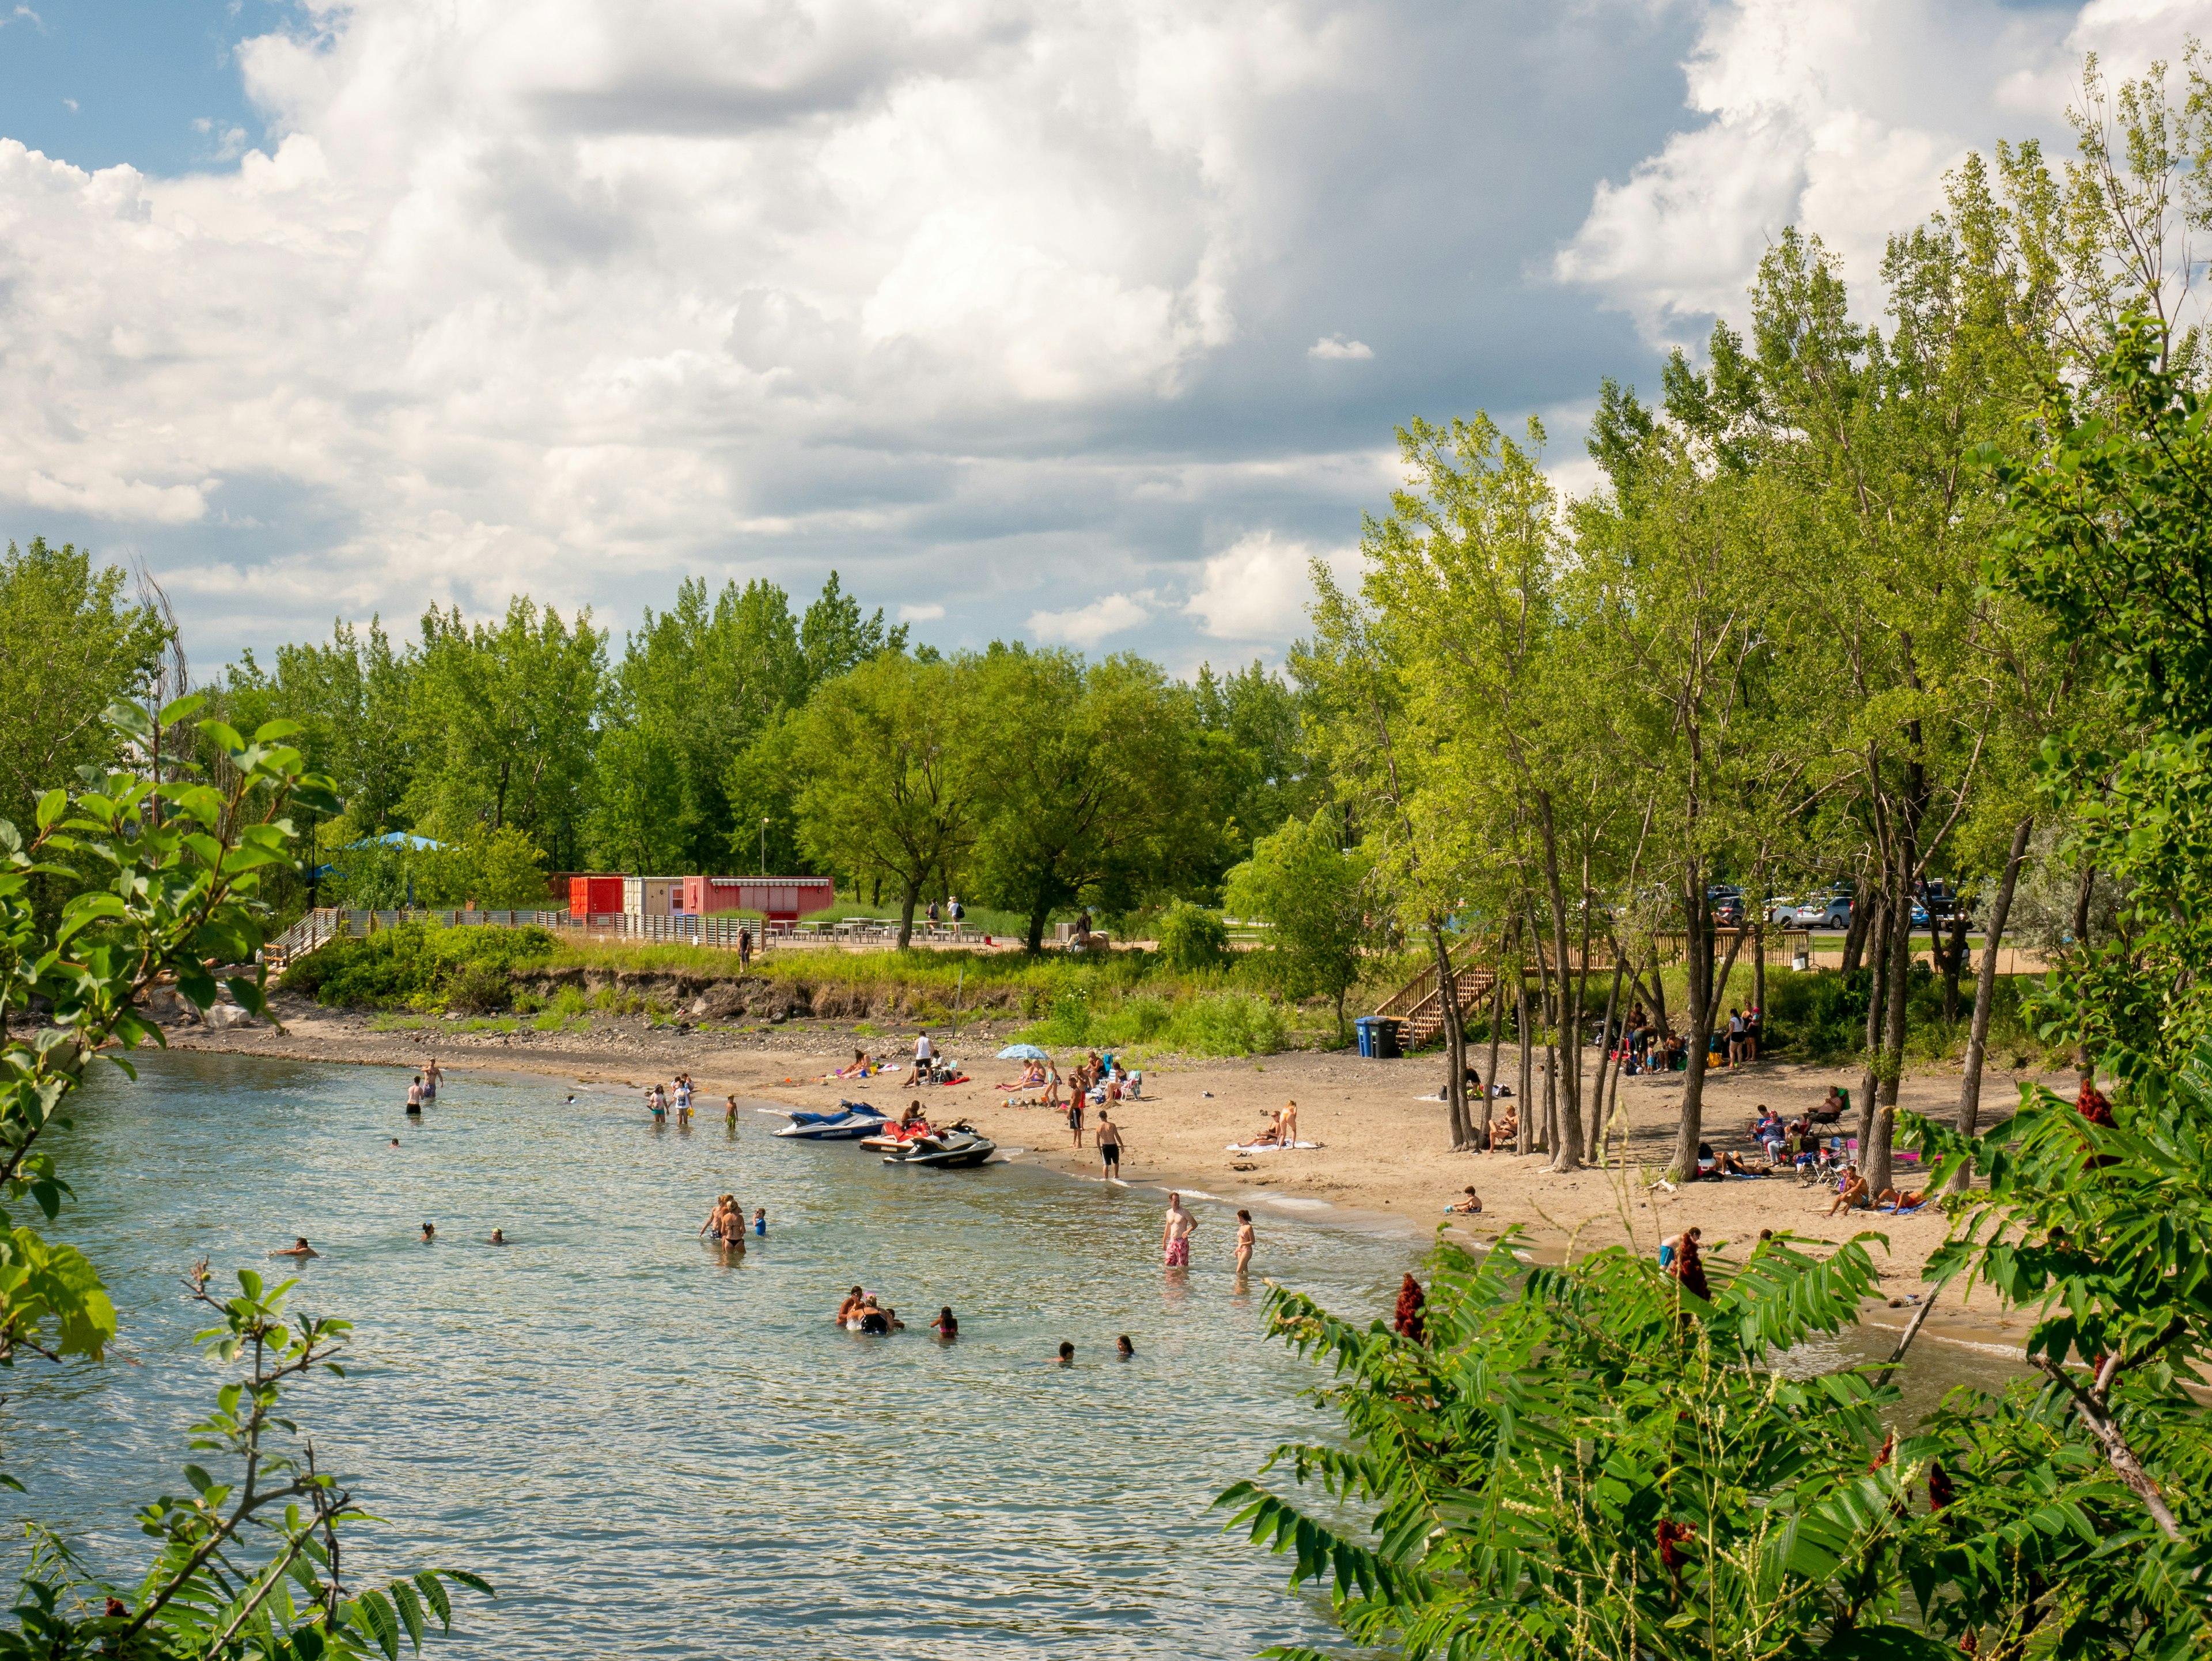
{"x":654,"y":1451}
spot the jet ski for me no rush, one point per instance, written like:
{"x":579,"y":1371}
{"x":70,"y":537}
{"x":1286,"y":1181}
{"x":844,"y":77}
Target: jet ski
{"x":954,"y":1147}
{"x":893,"y":1137}
{"x":851,"y":1122}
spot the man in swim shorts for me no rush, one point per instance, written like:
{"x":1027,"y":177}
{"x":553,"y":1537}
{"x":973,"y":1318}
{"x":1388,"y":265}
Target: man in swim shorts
{"x":1110,"y":1144}
{"x":1176,"y":1232}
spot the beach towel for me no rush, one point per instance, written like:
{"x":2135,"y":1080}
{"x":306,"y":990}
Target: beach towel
{"x":1265,"y":1147}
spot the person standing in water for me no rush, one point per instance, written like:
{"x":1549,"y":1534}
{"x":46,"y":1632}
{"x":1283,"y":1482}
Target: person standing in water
{"x":1245,"y":1241}
{"x":1109,"y":1146}
{"x":760,"y":1221}
{"x":414,"y":1097}
{"x":730,"y":1114}
{"x":1176,"y":1232}
{"x":433,"y":1077}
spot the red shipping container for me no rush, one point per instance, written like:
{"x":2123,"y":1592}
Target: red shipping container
{"x":594,"y":897}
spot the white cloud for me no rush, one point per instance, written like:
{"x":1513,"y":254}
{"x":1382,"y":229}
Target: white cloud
{"x":1336,"y":346}
{"x":1259,"y":587}
{"x":72,"y":104}
{"x":928,"y":613}
{"x":1840,"y":117}
{"x":1087,"y":625}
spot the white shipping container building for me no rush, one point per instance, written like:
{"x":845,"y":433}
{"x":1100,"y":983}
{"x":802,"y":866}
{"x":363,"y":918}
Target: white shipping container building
{"x":651,"y":897}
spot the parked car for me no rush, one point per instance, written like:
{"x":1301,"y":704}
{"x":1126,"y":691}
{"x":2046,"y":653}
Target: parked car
{"x":1728,"y":906}
{"x":1826,"y":911}
{"x":1782,"y":910}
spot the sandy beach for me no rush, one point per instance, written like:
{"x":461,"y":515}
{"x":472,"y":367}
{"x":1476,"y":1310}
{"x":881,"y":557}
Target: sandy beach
{"x":1381,"y":1136}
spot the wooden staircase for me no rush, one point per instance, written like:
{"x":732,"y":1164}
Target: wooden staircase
{"x":1418,"y":1005}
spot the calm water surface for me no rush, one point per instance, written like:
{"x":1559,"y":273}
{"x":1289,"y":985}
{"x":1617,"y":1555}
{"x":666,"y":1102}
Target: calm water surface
{"x":650,"y":1451}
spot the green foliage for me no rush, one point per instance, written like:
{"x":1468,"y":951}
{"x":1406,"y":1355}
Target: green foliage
{"x":421,"y":965}
{"x":1193,"y":938}
{"x":496,"y":870}
{"x":1089,"y":770}
{"x":1201,"y":1024}
{"x":2108,"y":534}
{"x":369,"y":873}
{"x":71,"y":643}
{"x":1314,"y":896}
{"x":895,"y":779}
{"x":1595,"y":1460}
{"x":247,"y":1563}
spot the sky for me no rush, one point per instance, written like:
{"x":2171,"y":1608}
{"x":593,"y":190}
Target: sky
{"x":1081,"y":323}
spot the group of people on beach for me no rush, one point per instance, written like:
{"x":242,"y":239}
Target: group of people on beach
{"x":658,"y":1098}
{"x":1180,"y":1224}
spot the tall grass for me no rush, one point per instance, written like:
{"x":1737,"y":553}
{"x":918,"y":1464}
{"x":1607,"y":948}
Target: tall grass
{"x":1218,"y":1023}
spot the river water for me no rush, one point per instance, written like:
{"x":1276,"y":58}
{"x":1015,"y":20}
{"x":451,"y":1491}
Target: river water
{"x":652,"y":1452}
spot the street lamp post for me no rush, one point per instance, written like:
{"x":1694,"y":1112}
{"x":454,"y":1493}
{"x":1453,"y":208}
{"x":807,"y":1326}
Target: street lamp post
{"x":764,"y":846}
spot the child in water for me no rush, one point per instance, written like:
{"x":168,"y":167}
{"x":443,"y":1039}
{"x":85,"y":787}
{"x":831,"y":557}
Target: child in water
{"x":760,"y":1221}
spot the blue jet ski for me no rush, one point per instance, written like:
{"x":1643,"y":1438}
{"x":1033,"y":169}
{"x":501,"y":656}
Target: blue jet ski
{"x":851,"y":1122}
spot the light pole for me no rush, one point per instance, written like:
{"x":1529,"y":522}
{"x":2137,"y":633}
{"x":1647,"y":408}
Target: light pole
{"x":764,"y":846}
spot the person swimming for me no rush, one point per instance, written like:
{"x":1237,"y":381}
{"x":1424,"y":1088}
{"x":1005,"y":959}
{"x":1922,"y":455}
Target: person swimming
{"x":1067,"y":1353}
{"x":1123,"y":1349}
{"x":498,"y":1236}
{"x":299,"y":1248}
{"x":430,"y":1234}
{"x":946,"y":1325}
{"x":845,"y":1311}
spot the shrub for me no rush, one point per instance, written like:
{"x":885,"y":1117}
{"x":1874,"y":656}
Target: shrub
{"x":1193,"y":938}
{"x":415,"y":965}
{"x":477,"y":989}
{"x":1227,"y":1024}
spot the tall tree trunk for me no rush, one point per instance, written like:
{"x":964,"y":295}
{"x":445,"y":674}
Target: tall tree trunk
{"x":1594,"y":1142}
{"x":1455,"y":1036}
{"x":1524,"y":1113}
{"x":1952,"y":960}
{"x":1863,"y":907}
{"x":1985,"y":990}
{"x":1546,"y":1011}
{"x":876,"y":891}
{"x":1490,"y":1072}
{"x":1697,"y":937}
{"x":1877,"y":968}
{"x":1758,"y":963}
{"x":905,"y":911}
{"x":1875,"y":1156}
{"x":1037,"y":914}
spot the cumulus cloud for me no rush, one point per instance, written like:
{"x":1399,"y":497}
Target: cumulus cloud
{"x":1259,"y":587}
{"x":1087,"y":625}
{"x":1336,"y":346}
{"x":928,"y":613}
{"x":1005,"y":302}
{"x":1840,"y":117}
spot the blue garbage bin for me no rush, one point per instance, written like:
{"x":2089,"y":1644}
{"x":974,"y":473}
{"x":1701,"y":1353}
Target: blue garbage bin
{"x":1378,"y":1037}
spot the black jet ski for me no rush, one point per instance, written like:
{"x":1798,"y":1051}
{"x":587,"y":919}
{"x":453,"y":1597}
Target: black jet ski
{"x":954,"y":1147}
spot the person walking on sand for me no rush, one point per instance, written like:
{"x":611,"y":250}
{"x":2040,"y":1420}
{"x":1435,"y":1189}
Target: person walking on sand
{"x":1245,"y":1241}
{"x":1075,"y":1116}
{"x":1176,"y":1232}
{"x":1109,"y":1146}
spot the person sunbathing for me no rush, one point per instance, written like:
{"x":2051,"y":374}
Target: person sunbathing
{"x":1852,"y":1196}
{"x":861,"y":1062}
{"x":1728,"y":1166}
{"x":1272,"y":1136}
{"x":1469,"y":1207}
{"x":1505,"y":1131}
{"x":1890,"y":1199}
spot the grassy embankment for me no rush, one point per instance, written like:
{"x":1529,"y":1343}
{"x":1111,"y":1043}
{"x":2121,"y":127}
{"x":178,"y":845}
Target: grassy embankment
{"x":1129,"y":1000}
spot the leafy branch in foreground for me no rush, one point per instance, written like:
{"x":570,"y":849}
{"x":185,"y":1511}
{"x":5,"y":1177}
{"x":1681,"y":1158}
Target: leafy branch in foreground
{"x":1592,"y":1461}
{"x":182,"y":861}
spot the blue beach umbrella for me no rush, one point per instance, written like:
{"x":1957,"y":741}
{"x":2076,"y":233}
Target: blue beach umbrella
{"x":1022,"y":1052}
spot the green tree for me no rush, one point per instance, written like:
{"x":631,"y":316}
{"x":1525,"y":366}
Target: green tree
{"x":503,"y":718}
{"x":1314,"y":896}
{"x":1091,"y":769}
{"x":895,"y":781}
{"x":496,"y":870}
{"x":71,"y":643}
{"x":834,"y":639}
